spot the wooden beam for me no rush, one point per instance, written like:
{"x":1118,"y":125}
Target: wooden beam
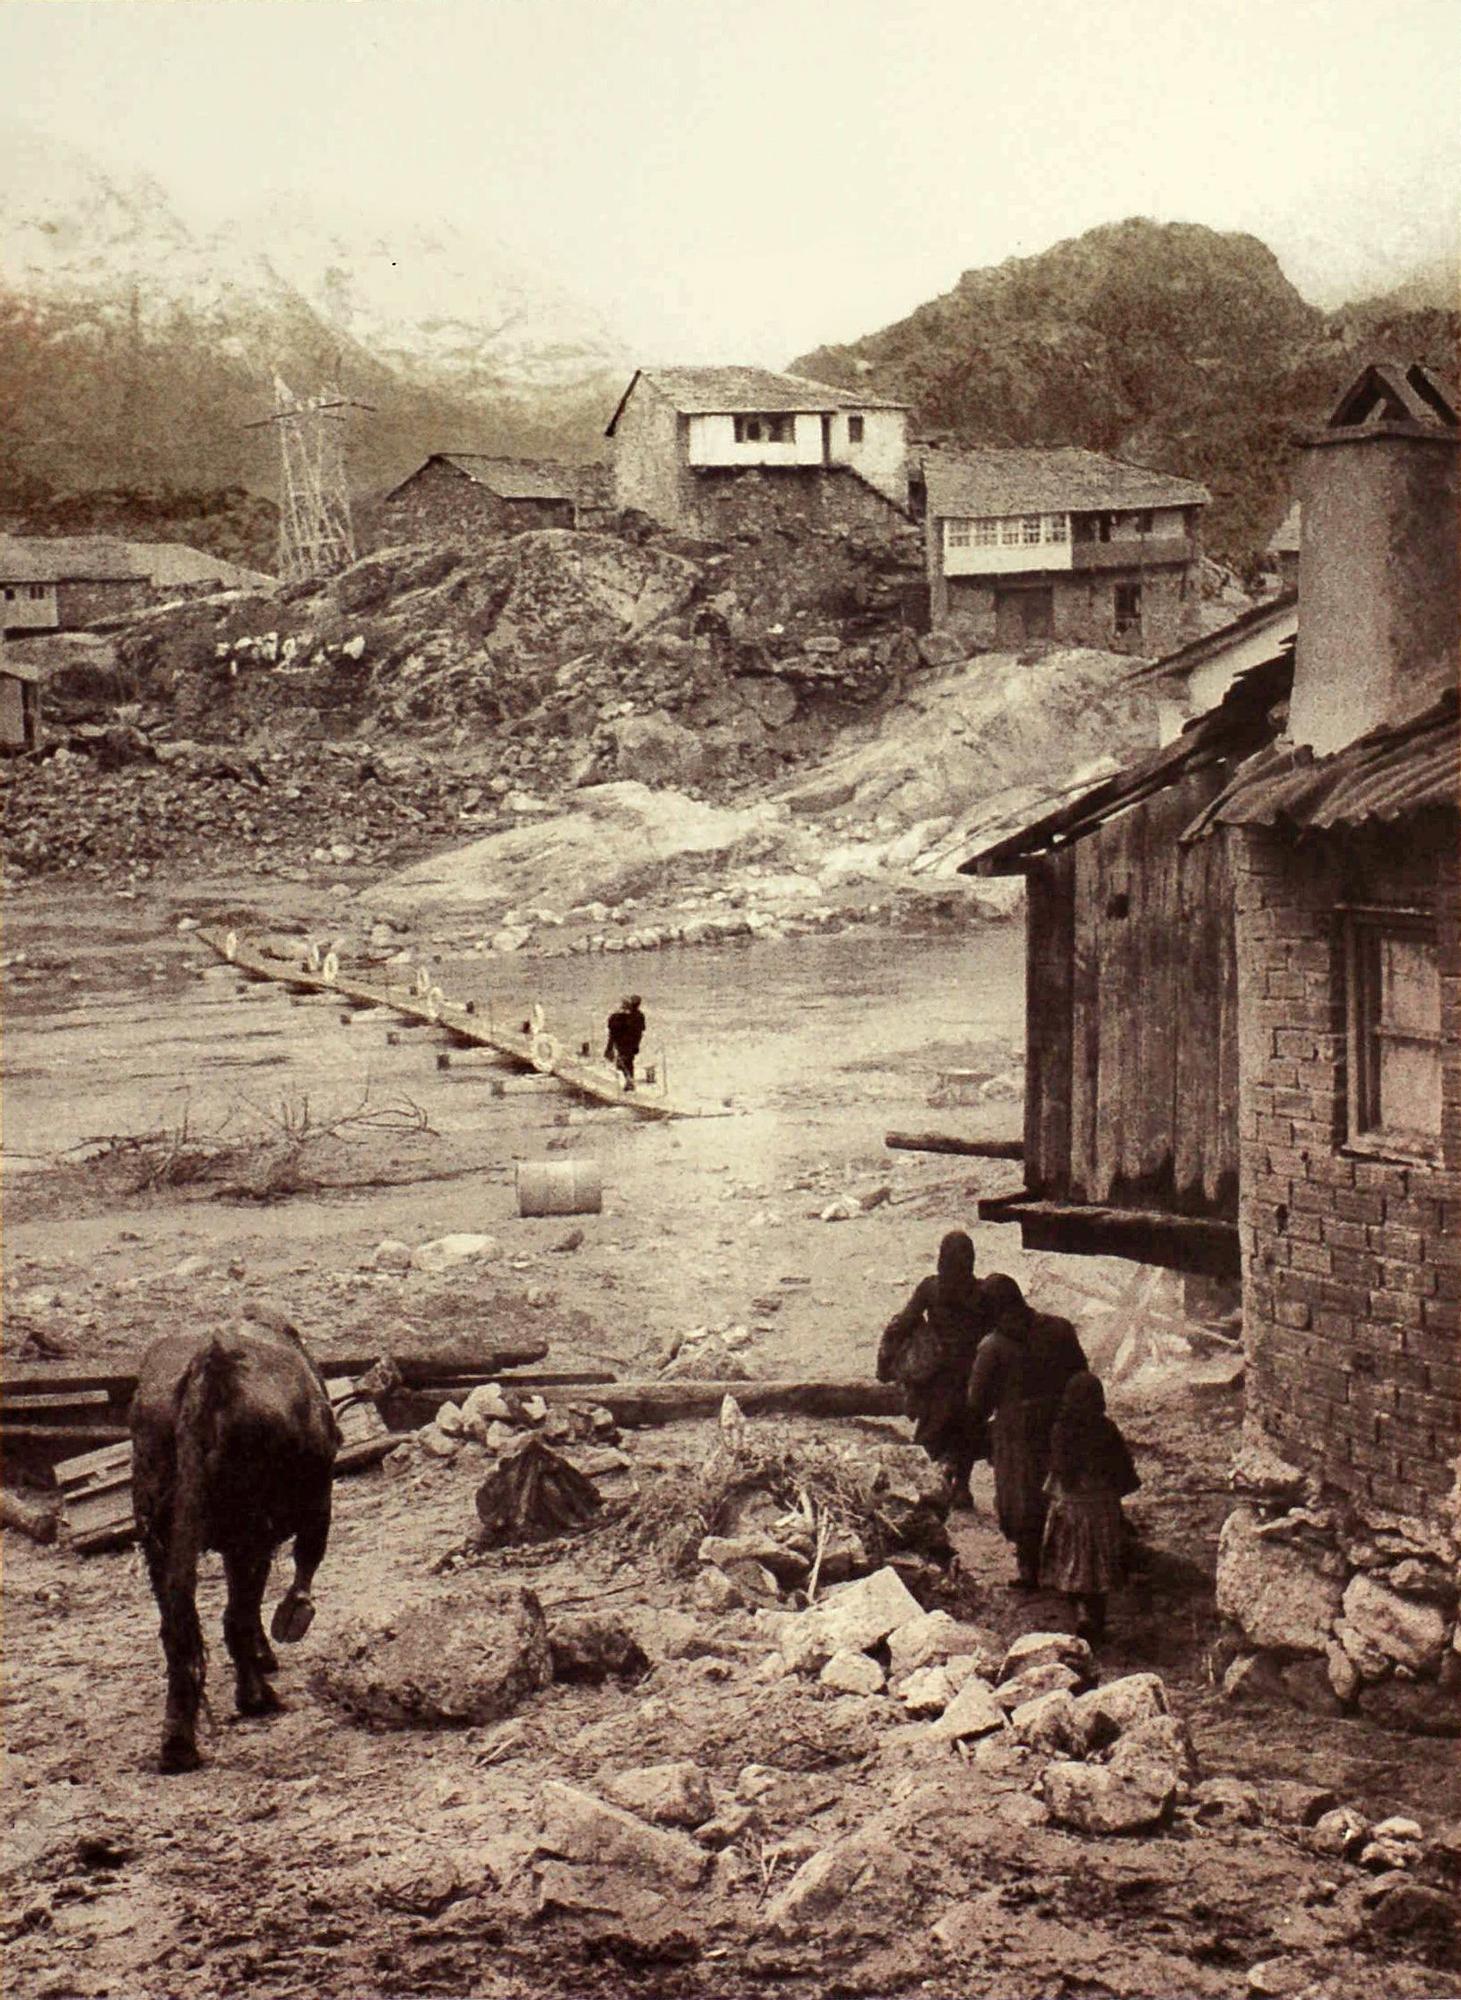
{"x":942,"y":1142}
{"x":636,"y":1404}
{"x":1203,"y":1244}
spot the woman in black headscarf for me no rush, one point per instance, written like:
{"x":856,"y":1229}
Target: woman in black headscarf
{"x":1015,"y":1387}
{"x":928,"y":1348}
{"x":1084,"y":1550}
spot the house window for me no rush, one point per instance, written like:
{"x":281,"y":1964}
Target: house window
{"x":1057,"y":528}
{"x":854,"y":430}
{"x":956,"y":534}
{"x":1394,"y":1009}
{"x":37,"y":590}
{"x":765,"y":430}
{"x":1127,"y":599}
{"x":1143,"y":522}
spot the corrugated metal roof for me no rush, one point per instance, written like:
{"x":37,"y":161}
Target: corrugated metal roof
{"x":1387,"y":775}
{"x":724,"y":391}
{"x":1011,"y":480}
{"x":1241,"y":722}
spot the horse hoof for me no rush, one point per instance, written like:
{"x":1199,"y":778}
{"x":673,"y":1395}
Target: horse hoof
{"x":179,"y":1753}
{"x":265,"y":1660}
{"x":259,"y":1700}
{"x":292,"y":1618}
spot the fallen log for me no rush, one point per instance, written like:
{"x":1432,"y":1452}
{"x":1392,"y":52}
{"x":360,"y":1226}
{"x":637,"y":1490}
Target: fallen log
{"x":453,"y":1365}
{"x":39,"y":1523}
{"x":643,"y":1404}
{"x":944,"y":1142}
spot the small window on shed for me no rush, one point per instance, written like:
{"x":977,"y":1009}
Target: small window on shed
{"x":854,"y":430}
{"x":1394,"y":1008}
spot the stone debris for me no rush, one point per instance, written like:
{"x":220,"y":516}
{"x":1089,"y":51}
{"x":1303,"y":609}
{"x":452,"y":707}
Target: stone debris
{"x":470,"y":1658}
{"x":576,"y":1826}
{"x":1045,"y":1677}
{"x":533,"y":1494}
{"x":851,"y":1618}
{"x":974,"y":1711}
{"x":1038,"y":1649}
{"x":851,"y":1672}
{"x":590,"y":1648}
{"x":1132,"y":1792}
{"x":934,"y":1637}
{"x":676,"y":1794}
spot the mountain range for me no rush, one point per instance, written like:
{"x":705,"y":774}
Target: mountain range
{"x":138,"y":354}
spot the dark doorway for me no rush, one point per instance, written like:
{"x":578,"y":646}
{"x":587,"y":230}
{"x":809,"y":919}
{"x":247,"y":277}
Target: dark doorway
{"x":1127,"y":600}
{"x":1021,"y":616}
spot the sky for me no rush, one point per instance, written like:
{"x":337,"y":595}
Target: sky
{"x":748,"y":179}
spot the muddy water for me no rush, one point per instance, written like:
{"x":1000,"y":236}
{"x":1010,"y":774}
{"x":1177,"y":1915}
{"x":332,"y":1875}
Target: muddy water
{"x":768,"y":1028}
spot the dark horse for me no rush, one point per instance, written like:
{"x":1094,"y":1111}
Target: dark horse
{"x":233,"y":1448}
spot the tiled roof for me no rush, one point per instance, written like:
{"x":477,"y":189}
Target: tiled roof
{"x":1387,"y":775}
{"x":723,"y":391}
{"x":1018,"y":480}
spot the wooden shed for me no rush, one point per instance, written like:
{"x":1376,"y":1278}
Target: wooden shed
{"x":19,"y":704}
{"x":1131,"y":1064}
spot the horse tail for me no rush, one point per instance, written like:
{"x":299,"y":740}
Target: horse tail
{"x":203,"y":1394}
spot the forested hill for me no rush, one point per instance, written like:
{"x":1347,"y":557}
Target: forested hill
{"x":1171,"y":344}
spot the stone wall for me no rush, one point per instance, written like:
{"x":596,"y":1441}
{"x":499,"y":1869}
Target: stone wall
{"x":650,"y":444}
{"x":1352,"y":1288}
{"x":792,"y":500}
{"x":80,"y":602}
{"x":1083,"y":607}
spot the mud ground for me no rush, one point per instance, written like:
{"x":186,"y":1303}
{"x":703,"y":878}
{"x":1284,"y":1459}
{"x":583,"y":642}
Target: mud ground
{"x":309,"y":1856}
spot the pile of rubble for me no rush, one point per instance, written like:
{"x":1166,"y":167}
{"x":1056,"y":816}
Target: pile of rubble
{"x":1336,"y":1608}
{"x":497,"y":1427}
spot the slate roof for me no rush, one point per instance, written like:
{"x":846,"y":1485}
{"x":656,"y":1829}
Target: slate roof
{"x":109,"y":559}
{"x":68,"y":559}
{"x":1393,"y":772}
{"x":514,"y":478}
{"x":995,"y":480}
{"x":752,"y":391}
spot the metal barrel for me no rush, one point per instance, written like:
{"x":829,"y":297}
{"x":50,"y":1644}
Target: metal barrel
{"x":559,"y":1187}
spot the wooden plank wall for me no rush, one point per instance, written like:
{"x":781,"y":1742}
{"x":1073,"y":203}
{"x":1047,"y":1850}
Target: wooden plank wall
{"x":1131,"y":1067}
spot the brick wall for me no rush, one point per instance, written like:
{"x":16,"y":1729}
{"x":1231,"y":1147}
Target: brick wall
{"x":1351,"y":1264}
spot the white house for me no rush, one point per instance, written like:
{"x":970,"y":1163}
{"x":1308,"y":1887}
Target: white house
{"x":685,"y":440}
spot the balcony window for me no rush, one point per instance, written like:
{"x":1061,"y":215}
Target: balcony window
{"x":984,"y":533}
{"x":1057,"y":528}
{"x":1394,"y":1014}
{"x":1030,"y":529}
{"x":956,"y":534}
{"x":765,"y":430}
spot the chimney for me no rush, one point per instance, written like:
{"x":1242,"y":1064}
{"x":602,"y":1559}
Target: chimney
{"x":1379,"y":561}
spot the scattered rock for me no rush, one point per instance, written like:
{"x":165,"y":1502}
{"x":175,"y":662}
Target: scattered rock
{"x":1109,"y":1711}
{"x":934,"y":1637}
{"x":1048,"y":1723}
{"x":576,"y":1826}
{"x":1047,"y":1677}
{"x":1169,"y":1738}
{"x":1225,"y":1801}
{"x":444,"y":1251}
{"x":850,"y":1618}
{"x":1406,"y":1909}
{"x":1134,"y":1791}
{"x":390,"y":1254}
{"x":1410,"y":1631}
{"x":1271,"y":1589}
{"x":592,"y":1648}
{"x":675,"y":1794}
{"x":974,"y":1711}
{"x":1038,"y":1649}
{"x":852,"y":1673}
{"x":864,"y":1876}
{"x":1341,"y":1833}
{"x":461,"y":1660}
{"x":1292,"y":1802}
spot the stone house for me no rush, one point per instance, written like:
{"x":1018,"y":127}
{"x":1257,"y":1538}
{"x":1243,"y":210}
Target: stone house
{"x":1283,"y":550}
{"x":720,"y":451}
{"x":1195,"y":678}
{"x":1064,"y":546}
{"x":64,"y":583}
{"x":19,"y":704}
{"x":461,"y":496}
